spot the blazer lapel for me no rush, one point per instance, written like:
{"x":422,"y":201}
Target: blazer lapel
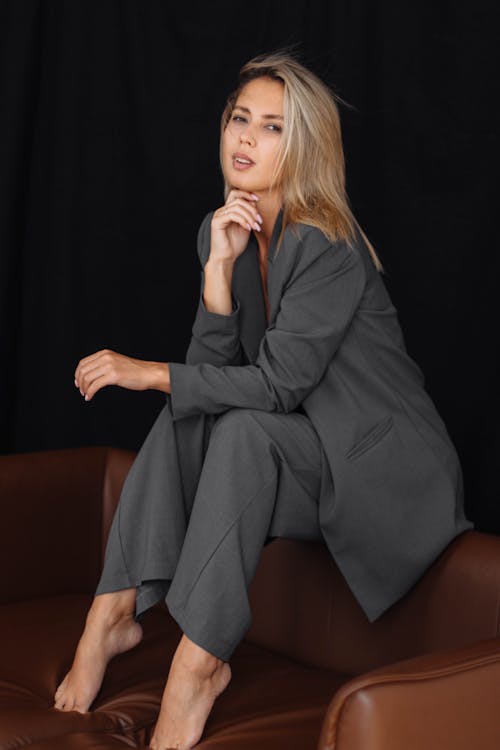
{"x":247,"y":286}
{"x":274,"y":269}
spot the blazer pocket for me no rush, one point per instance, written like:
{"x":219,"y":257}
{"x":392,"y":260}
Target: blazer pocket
{"x":371,"y":438}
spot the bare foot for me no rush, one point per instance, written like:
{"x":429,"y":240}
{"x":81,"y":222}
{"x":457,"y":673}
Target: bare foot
{"x":195,"y":679}
{"x":109,"y":630}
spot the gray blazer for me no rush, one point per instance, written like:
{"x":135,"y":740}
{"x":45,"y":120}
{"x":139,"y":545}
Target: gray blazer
{"x":334,"y":345}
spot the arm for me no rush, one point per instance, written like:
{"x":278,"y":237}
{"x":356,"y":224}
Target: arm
{"x":317,"y":306}
{"x":215,"y":335}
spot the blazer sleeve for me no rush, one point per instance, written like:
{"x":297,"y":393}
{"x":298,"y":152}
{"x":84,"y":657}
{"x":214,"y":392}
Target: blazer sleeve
{"x":215,"y":337}
{"x":317,"y":305}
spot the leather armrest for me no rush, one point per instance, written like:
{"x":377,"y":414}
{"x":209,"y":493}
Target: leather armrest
{"x":447,"y":699}
{"x":56,"y":511}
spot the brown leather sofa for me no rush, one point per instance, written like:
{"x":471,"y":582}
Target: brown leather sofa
{"x":311,"y":674}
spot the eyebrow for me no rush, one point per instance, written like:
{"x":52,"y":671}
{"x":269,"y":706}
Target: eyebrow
{"x":267,"y":117}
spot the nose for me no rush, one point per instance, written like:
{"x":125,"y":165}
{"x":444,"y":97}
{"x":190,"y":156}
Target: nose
{"x":247,"y":137}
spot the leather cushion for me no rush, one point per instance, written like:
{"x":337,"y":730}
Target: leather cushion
{"x":271,"y":701}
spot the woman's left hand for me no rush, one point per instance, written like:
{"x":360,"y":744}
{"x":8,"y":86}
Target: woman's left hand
{"x":107,"y":367}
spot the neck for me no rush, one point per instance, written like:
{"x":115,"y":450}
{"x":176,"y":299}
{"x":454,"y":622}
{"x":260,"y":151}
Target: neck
{"x":269,"y":208}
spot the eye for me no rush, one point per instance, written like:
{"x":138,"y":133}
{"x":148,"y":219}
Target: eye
{"x":276,"y":128}
{"x":237,"y":118}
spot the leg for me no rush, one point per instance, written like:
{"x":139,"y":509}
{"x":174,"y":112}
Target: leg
{"x":143,"y":546}
{"x":149,"y":525}
{"x":110,"y":629}
{"x":261,"y":477}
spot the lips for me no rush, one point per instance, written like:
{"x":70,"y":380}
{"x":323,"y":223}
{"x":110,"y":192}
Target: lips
{"x":242,"y":158}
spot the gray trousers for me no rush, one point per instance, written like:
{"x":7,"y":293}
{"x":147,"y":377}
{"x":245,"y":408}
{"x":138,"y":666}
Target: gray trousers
{"x":203,"y":497}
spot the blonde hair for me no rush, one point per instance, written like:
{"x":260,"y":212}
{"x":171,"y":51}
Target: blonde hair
{"x":311,"y":164}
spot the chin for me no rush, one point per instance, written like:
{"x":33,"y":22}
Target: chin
{"x":242,"y":184}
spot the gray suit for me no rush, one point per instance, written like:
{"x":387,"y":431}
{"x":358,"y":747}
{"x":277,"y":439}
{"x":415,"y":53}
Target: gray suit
{"x":316,"y":426}
{"x":334,"y":345}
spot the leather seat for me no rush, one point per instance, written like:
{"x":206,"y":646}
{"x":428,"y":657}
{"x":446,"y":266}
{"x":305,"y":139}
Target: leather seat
{"x":312,"y":672}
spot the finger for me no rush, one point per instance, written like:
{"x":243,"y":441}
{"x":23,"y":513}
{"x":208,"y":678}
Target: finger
{"x":251,"y":214}
{"x":242,"y":193}
{"x":88,"y":359}
{"x":246,"y":205}
{"x":96,"y":386}
{"x":95,"y":355}
{"x":244,"y":212}
{"x":104,"y":358}
{"x":236,"y":214}
{"x":91,"y":373}
{"x":228,"y":215}
{"x":98,"y":372}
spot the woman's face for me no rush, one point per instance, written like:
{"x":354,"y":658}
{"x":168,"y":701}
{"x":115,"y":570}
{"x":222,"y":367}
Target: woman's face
{"x":253,"y":135}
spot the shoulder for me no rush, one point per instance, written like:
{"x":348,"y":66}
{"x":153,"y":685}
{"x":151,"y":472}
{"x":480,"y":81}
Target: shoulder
{"x":306,"y":245}
{"x":205,"y":222}
{"x":203,"y":238}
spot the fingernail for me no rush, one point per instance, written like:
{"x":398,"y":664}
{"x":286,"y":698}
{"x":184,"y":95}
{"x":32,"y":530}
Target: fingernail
{"x":259,"y":217}
{"x":86,"y":397}
{"x":256,"y":196}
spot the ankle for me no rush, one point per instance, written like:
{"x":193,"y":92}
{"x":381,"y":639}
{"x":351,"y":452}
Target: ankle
{"x":196,"y":659}
{"x":201,"y":668}
{"x":111,"y":608}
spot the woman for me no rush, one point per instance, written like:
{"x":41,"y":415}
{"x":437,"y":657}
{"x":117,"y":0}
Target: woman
{"x":298,"y":413}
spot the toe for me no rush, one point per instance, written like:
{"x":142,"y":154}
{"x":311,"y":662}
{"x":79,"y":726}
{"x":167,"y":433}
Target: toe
{"x":64,"y":704}
{"x":60,"y":687}
{"x":80,"y":709}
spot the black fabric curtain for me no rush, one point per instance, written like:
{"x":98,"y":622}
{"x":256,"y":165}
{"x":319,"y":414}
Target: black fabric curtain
{"x":109,"y":133}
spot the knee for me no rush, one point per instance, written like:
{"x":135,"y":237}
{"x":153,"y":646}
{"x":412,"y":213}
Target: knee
{"x":236,"y":422}
{"x":239,"y":432}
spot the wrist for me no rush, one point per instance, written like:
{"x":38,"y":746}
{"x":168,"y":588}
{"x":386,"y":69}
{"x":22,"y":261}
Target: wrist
{"x":219,"y":265}
{"x":160,"y":377}
{"x":218,"y":275}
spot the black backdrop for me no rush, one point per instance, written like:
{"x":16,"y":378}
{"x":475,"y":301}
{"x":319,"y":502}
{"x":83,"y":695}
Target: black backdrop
{"x":109,"y":139}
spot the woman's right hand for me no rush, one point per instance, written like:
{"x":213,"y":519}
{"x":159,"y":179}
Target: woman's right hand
{"x":231,"y":225}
